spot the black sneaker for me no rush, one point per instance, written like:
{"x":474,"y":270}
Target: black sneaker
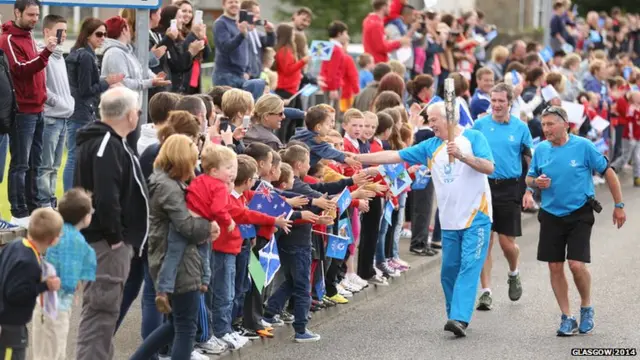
{"x":417,"y":250}
{"x":436,"y":245}
{"x":249,"y":334}
{"x":458,"y":328}
{"x":287,"y":318}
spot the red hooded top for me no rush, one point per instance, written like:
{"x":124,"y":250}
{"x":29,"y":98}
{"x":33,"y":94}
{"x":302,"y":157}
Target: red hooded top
{"x":231,"y":242}
{"x":374,"y":39}
{"x":27,"y":67}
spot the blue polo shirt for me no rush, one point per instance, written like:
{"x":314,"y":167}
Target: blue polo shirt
{"x":570,"y":168}
{"x":480,"y":103}
{"x":507,"y":142}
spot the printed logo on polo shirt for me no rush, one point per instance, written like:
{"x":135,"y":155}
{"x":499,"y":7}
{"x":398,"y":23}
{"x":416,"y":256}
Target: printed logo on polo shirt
{"x":512,"y":138}
{"x":448,"y":169}
{"x":573,"y":163}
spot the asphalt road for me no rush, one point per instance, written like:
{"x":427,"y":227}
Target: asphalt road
{"x":407,"y":323}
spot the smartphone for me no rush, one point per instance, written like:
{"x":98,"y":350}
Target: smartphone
{"x":246,"y":16}
{"x":59,"y":36}
{"x":174,"y":24}
{"x":246,"y":122}
{"x":260,"y":22}
{"x":197,"y":19}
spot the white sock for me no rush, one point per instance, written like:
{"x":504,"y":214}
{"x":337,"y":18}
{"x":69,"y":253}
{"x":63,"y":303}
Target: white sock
{"x":486,"y":290}
{"x":514,"y":273}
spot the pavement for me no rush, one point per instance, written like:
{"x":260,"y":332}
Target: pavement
{"x":406,"y":319}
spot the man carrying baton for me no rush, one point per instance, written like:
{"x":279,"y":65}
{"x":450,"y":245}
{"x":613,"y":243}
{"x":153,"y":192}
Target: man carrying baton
{"x":464,"y":200}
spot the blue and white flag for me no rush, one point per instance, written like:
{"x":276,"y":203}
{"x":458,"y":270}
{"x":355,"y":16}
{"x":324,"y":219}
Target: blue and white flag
{"x":270,"y":260}
{"x":546,"y":54}
{"x":465,"y":116}
{"x":601,"y":145}
{"x":269,"y":202}
{"x":344,"y":200}
{"x":435,"y":99}
{"x":247,"y":231}
{"x":337,"y":247}
{"x":321,"y":50}
{"x":388,"y":212}
{"x":422,"y":178}
{"x":309,"y":90}
{"x":319,"y":286}
{"x":392,"y":171}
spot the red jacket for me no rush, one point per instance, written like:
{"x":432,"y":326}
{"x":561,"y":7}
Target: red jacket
{"x":209,"y":198}
{"x":374,"y":39}
{"x":27,"y":67}
{"x":634,"y":122}
{"x":231,"y":242}
{"x":350,"y":79}
{"x":332,"y":71}
{"x":289,"y":70}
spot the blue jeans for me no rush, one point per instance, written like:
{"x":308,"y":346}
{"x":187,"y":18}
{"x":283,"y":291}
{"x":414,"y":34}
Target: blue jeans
{"x":382,"y":236}
{"x":139,"y":274}
{"x":228,"y":79}
{"x":463,"y":255}
{"x":26,"y":157}
{"x":73,"y":125}
{"x":180,"y":330}
{"x":52,"y":147}
{"x":4,"y":141}
{"x":243,"y":283}
{"x":295,"y":262}
{"x":402,"y":203}
{"x":223,"y":290}
{"x":176,"y":244}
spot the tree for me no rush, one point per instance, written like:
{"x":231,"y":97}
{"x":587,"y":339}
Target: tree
{"x":351,"y":12}
{"x":601,"y":5}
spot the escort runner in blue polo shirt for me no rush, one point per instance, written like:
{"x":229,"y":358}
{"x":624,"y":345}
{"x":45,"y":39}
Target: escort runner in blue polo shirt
{"x":562,"y":168}
{"x":464,"y":200}
{"x":509,"y":140}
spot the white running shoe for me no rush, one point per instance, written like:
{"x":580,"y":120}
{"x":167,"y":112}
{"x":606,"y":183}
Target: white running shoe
{"x":344,"y":292}
{"x":22,"y":222}
{"x":232,"y":342}
{"x":355,"y":279}
{"x":243,"y":340}
{"x":195,"y":355}
{"x":213,"y":346}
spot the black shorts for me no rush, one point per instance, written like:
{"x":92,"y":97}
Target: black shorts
{"x":507,"y":206}
{"x":566,"y":237}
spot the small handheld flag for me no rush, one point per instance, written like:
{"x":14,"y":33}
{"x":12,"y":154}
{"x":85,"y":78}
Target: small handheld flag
{"x":268,"y":202}
{"x":321,"y":50}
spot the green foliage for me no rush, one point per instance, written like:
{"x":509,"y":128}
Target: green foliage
{"x":351,"y":12}
{"x":584,"y":6}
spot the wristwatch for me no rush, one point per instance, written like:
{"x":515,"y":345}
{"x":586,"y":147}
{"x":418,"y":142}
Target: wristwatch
{"x":620,"y":205}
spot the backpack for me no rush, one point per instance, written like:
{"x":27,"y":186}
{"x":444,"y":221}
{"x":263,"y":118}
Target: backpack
{"x":8,"y":104}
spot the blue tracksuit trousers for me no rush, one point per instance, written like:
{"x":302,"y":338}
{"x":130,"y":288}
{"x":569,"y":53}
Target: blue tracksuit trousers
{"x":463,"y":255}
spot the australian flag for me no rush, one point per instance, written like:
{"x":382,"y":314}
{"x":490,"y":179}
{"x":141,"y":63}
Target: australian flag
{"x":269,"y":202}
{"x":270,"y":260}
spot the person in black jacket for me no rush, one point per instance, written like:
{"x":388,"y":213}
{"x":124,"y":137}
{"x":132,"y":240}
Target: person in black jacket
{"x":295,"y":248}
{"x":8,"y":108}
{"x":21,"y":281}
{"x":86,"y":86}
{"x":109,"y":169}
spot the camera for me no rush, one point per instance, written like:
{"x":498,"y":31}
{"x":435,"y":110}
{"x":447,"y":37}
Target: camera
{"x":246,"y":16}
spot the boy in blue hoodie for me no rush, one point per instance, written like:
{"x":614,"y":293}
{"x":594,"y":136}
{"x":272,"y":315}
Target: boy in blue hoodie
{"x":318,"y":121}
{"x":75,"y":261}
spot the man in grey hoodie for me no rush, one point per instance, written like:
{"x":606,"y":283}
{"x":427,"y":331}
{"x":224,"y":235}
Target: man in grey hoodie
{"x":57,"y":109}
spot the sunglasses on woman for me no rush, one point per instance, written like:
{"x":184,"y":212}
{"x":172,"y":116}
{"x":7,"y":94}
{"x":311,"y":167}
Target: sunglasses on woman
{"x":100,"y":34}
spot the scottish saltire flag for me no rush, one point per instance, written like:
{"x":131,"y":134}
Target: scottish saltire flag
{"x":465,"y":115}
{"x":270,"y":260}
{"x":400,"y":184}
{"x":344,"y":200}
{"x":337,"y":247}
{"x":269,"y":202}
{"x":601,"y":145}
{"x":388,"y":212}
{"x":546,"y":54}
{"x":422,"y":178}
{"x":321,"y":50}
{"x":392,"y":171}
{"x":247,"y":231}
{"x":435,"y":99}
{"x":309,"y":90}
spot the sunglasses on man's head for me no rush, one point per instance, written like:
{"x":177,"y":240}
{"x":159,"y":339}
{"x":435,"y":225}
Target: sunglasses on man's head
{"x":100,"y":34}
{"x":555,"y":111}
